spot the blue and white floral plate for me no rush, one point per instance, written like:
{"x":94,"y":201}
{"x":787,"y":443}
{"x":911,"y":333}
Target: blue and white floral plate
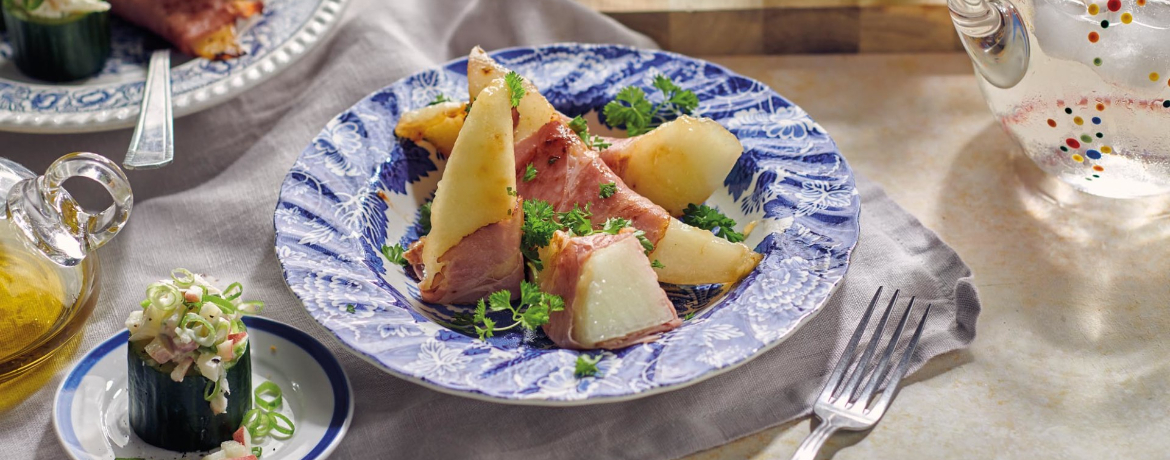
{"x":357,"y":187}
{"x":91,"y":409}
{"x":110,"y":100}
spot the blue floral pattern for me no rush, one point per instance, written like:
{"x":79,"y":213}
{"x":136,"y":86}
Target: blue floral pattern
{"x":111,"y":99}
{"x":357,"y":187}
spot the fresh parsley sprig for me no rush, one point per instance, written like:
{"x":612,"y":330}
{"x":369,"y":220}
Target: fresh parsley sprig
{"x":586,"y":365}
{"x":708,"y":218}
{"x":424,"y":219}
{"x":633,"y":110}
{"x":530,"y":173}
{"x":395,"y":254}
{"x":532,"y":311}
{"x":581,"y":127}
{"x":607,"y":189}
{"x":541,"y":221}
{"x":441,"y":98}
{"x":515,"y":85}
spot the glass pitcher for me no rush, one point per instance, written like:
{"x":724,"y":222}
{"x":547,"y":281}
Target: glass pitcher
{"x":48,"y":272}
{"x":1083,"y":86}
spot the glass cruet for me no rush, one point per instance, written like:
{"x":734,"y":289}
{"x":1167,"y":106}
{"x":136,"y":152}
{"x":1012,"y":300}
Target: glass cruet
{"x":48,"y":268}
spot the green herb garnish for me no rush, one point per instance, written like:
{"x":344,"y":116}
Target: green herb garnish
{"x":631,"y":108}
{"x":586,"y":365}
{"x":657,"y":264}
{"x":529,"y":173}
{"x":607,"y":190}
{"x":708,"y":218}
{"x":515,"y":87}
{"x":424,"y":219}
{"x":581,"y":127}
{"x":688,"y":316}
{"x":576,"y":221}
{"x":532,"y":312}
{"x":537,"y":231}
{"x":441,"y":98}
{"x":349,"y":308}
{"x":395,"y":254}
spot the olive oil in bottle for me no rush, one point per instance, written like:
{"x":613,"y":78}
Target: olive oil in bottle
{"x":34,"y":294}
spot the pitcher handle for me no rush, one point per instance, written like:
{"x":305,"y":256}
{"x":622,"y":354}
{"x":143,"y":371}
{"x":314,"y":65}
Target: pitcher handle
{"x":55,"y":223}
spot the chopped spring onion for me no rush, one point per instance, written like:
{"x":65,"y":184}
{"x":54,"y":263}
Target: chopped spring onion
{"x":268,"y":396}
{"x":223,"y":304}
{"x":163,"y":296}
{"x":210,"y":391}
{"x":256,"y":451}
{"x":145,"y":303}
{"x":279,"y":429}
{"x":202,"y":331}
{"x":251,"y":307}
{"x":237,"y":326}
{"x":233,"y":291}
{"x":183,"y":277}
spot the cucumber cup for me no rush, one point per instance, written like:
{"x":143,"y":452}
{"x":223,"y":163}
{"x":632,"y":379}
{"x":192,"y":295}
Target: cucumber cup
{"x":68,"y":48}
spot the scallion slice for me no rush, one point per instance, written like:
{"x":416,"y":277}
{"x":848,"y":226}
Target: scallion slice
{"x":268,"y":396}
{"x":233,"y":291}
{"x":223,"y":304}
{"x":183,"y":278}
{"x":251,"y":307}
{"x":276,"y":418}
{"x":206,"y":338}
{"x":164,"y":296}
{"x":208,"y":396}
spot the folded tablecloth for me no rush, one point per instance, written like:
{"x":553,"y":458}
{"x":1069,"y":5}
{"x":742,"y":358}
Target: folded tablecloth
{"x":211,"y":211}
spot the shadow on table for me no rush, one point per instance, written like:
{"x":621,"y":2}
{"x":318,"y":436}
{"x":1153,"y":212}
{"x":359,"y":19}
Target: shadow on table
{"x":1085,"y":276}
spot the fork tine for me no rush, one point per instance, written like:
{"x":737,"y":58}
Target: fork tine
{"x":879,"y":373}
{"x":903,"y":366}
{"x":847,"y":356}
{"x":874,"y":339}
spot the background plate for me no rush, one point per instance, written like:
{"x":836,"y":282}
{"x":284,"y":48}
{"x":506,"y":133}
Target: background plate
{"x":356,"y":187}
{"x":111,"y":99}
{"x":90,"y":409}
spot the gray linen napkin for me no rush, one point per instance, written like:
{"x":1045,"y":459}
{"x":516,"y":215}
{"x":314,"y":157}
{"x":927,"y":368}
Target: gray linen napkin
{"x":212,"y":211}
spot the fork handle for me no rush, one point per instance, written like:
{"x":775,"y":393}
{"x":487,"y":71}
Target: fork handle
{"x":153,"y":144}
{"x":813,"y":442}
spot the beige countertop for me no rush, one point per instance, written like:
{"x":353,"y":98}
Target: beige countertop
{"x":1070,"y":359}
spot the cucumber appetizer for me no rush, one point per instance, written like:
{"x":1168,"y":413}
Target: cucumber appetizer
{"x":190,"y":372}
{"x":58,"y":40}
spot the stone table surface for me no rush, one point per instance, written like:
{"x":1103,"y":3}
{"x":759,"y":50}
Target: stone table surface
{"x":1071,"y":356}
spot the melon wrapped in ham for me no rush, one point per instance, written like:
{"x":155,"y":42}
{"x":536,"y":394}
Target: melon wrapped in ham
{"x":473,"y":248}
{"x":612,"y":297}
{"x":203,"y":28}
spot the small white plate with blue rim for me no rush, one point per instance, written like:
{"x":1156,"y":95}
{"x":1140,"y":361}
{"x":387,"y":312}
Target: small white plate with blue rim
{"x":90,"y":410}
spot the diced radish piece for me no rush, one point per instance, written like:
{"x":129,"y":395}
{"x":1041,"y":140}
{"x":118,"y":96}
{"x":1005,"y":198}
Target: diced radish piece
{"x":237,"y":337}
{"x":225,"y":350}
{"x":243,"y":437}
{"x":193,"y":294}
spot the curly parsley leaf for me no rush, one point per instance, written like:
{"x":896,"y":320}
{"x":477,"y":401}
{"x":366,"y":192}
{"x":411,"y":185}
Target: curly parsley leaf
{"x":529,"y":173}
{"x":576,"y":221}
{"x":607,"y":190}
{"x":350,"y":308}
{"x":646,"y":244}
{"x":395,"y":254}
{"x":613,"y":225}
{"x":441,"y":98}
{"x":515,"y":87}
{"x":533,"y":311}
{"x":688,"y":316}
{"x":708,"y":218}
{"x":424,"y":219}
{"x":657,"y":264}
{"x":537,"y":230}
{"x":581,"y":127}
{"x":586,"y":365}
{"x":634,"y":111}
{"x":467,"y":109}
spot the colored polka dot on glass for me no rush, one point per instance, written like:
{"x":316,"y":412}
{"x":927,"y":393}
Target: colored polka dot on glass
{"x":1072,"y":143}
{"x":1106,"y":149}
{"x":1093,"y":154}
{"x":1078,"y":120}
{"x":1166,"y":103}
{"x":1094,"y":9}
{"x":1097,"y":62}
{"x":1100,"y":135}
{"x":1100,"y":107}
{"x":1068,"y":110}
{"x":1154,"y":76}
{"x":1093,"y":37}
{"x":1078,"y":158}
{"x":1096,"y":176}
{"x":1114,"y":5}
{"x":1063,"y":148}
{"x":1126,"y":18}
{"x":1097,"y":168}
{"x":1086,"y":139}
{"x":1105,"y":24}
{"x":1096,"y":120}
{"x":1141,"y":2}
{"x":1051,"y":122}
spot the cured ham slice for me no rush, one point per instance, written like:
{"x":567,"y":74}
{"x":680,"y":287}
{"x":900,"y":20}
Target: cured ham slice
{"x":569,"y":173}
{"x":474,"y":245}
{"x":612,"y":297}
{"x":204,"y":28}
{"x":478,"y":265}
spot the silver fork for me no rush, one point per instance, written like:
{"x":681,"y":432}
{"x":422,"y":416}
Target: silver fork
{"x":840,"y":405}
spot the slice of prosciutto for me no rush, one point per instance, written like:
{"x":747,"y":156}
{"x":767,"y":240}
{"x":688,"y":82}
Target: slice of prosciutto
{"x":476,"y":266}
{"x":204,"y":28}
{"x":569,"y":173}
{"x":612,"y":296}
